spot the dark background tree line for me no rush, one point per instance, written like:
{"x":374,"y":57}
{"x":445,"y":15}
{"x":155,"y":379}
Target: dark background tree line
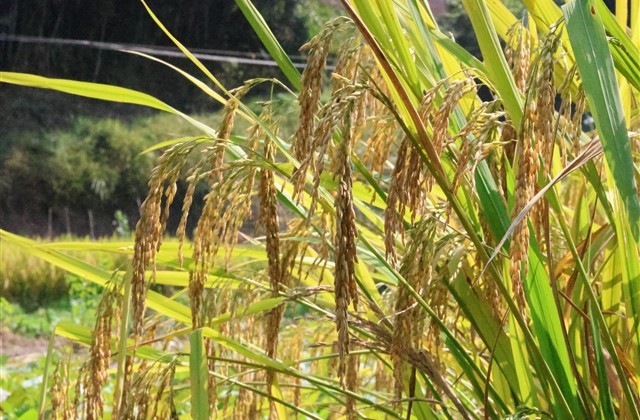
{"x":55,"y":165}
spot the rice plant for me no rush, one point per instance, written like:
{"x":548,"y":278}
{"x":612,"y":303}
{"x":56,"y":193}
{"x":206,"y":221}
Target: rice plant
{"x":422,"y":253}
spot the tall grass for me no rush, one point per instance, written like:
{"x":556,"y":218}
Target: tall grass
{"x":425,"y":254}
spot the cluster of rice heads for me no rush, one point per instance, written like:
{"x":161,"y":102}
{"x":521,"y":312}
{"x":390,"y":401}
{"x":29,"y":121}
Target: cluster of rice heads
{"x":368,"y":283}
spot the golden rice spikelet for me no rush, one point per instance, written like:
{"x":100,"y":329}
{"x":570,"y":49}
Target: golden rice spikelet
{"x":345,"y":246}
{"x":383,"y":382}
{"x":408,"y":320}
{"x":394,"y":216}
{"x":524,"y":190}
{"x":61,"y":407}
{"x":452,"y":96}
{"x":329,"y":117}
{"x":519,"y":57}
{"x":544,"y":127}
{"x":383,"y":126}
{"x":269,"y":220}
{"x":476,"y":139}
{"x":95,"y":372}
{"x":349,"y":59}
{"x":164,"y":384}
{"x":245,"y":405}
{"x":147,"y":394}
{"x":291,"y":250}
{"x":140,"y":391}
{"x":445,"y":264}
{"x":379,"y":143}
{"x":309,"y":97}
{"x":410,"y":181}
{"x":225,"y":129}
{"x":150,"y":227}
{"x":215,"y":225}
{"x":581,"y":104}
{"x":518,"y":54}
{"x":408,"y":191}
{"x":226,"y":206}
{"x":181,"y":232}
{"x":356,"y":71}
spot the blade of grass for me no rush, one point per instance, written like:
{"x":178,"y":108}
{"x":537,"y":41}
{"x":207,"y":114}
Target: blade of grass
{"x":585,"y":280}
{"x":270,"y":42}
{"x":86,"y":89}
{"x":549,"y":330}
{"x":606,"y":404}
{"x":123,"y":336}
{"x":198,"y":373}
{"x":494,"y":58}
{"x":588,"y":40}
{"x":45,"y":374}
{"x":98,"y":91}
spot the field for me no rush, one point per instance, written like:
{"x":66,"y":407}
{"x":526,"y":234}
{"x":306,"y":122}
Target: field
{"x":377,"y":239}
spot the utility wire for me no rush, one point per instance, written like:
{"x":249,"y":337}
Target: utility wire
{"x":236,"y":57}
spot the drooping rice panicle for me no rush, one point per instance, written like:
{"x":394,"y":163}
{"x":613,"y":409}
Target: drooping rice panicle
{"x":61,"y":403}
{"x":345,"y":245}
{"x":544,"y":125}
{"x":269,"y":220}
{"x":526,"y":180}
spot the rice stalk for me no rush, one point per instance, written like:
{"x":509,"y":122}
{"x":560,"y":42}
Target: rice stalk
{"x":352,"y":377}
{"x":226,"y":206}
{"x":544,"y":127}
{"x":345,"y":245}
{"x":181,"y":232}
{"x":408,"y":319}
{"x":269,"y":219}
{"x":61,"y":405}
{"x":519,"y":59}
{"x":95,"y":372}
{"x":150,"y":228}
{"x":526,"y":178}
{"x":312,"y":76}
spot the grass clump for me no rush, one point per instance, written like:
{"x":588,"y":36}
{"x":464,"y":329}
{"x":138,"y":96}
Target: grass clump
{"x":30,"y":281}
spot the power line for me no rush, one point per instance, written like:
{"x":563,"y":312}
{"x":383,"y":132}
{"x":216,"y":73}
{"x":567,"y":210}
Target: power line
{"x":236,"y":57}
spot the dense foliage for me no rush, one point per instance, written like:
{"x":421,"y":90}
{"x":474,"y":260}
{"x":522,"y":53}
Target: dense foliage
{"x":425,"y":254}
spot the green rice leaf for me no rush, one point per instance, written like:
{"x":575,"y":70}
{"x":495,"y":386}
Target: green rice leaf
{"x":198,"y":371}
{"x":270,"y":42}
{"x":604,"y":393}
{"x":589,"y":43}
{"x":546,"y":323}
{"x":87,"y":89}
